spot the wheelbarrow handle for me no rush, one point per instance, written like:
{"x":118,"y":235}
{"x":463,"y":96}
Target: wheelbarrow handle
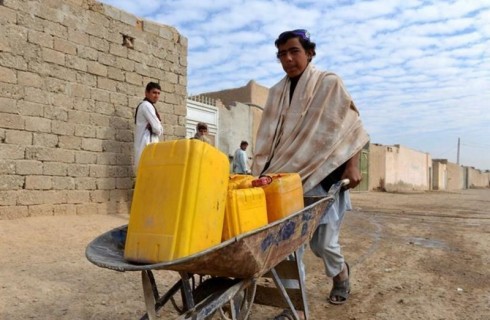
{"x":337,"y":187}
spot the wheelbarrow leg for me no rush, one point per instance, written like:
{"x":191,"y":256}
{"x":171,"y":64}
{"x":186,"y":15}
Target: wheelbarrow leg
{"x":284,"y":293}
{"x":149,"y":293}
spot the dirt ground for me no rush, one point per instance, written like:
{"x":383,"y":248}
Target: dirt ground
{"x":412,"y":256}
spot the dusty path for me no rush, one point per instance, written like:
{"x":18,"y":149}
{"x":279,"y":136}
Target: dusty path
{"x":413,"y":256}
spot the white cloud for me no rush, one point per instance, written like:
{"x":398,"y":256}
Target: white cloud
{"x":419,"y":71}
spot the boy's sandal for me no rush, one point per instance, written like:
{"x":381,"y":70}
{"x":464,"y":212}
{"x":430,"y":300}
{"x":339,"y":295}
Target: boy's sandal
{"x":340,"y":290}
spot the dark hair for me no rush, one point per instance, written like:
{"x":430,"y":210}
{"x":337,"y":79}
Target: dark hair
{"x":152,"y":85}
{"x":303,"y":37}
{"x":244,"y":143}
{"x":201,"y":125}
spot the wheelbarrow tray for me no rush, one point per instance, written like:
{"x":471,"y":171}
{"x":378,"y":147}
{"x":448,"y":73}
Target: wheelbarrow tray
{"x":248,"y":255}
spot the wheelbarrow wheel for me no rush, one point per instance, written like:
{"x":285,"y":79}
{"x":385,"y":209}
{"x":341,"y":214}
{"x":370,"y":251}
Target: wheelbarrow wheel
{"x":237,"y":307}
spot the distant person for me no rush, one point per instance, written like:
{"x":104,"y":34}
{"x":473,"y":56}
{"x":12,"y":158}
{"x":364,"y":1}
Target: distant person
{"x":202,"y":132}
{"x":240,"y":164}
{"x":310,"y":125}
{"x":148,"y":125}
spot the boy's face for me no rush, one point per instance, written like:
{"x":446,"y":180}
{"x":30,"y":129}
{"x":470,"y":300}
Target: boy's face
{"x":293,"y":57}
{"x":153,"y":95}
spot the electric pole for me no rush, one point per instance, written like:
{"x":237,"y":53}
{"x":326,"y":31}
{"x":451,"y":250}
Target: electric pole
{"x":457,"y":158}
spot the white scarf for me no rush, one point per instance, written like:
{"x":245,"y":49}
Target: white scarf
{"x":314,"y":134}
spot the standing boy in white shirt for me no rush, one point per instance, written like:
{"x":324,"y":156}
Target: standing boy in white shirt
{"x":148,"y":125}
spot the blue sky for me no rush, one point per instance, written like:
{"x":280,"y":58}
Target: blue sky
{"x":419,"y":71}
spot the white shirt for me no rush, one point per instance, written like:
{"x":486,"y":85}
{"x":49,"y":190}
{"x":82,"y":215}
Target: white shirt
{"x":142,"y":136}
{"x":240,"y":161}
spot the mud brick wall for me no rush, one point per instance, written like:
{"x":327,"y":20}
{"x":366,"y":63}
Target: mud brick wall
{"x":71,"y":75}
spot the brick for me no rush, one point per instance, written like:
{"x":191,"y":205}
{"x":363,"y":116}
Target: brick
{"x":55,"y":113}
{"x":87,"y":79}
{"x":96,"y":68}
{"x":13,"y":212}
{"x":55,"y":29}
{"x":104,"y":108}
{"x":18,"y":137}
{"x":7,"y":16}
{"x":27,"y":108}
{"x":8,"y":105}
{"x":85,"y":157}
{"x":40,"y":210}
{"x":38,"y":183}
{"x":124,"y":183}
{"x":78,"y":117}
{"x":29,"y":79}
{"x":29,"y":167}
{"x":8,"y":75}
{"x":65,"y":46}
{"x":107,"y":158}
{"x":63,"y":183}
{"x":115,"y":74}
{"x":7,"y":167}
{"x":11,"y":182}
{"x":11,"y":121}
{"x":78,"y":170}
{"x":86,"y":209}
{"x":36,"y":95}
{"x":37,"y":124}
{"x":106,"y":183}
{"x":62,"y":127}
{"x":77,"y":196}
{"x":33,"y":197}
{"x":80,"y":90}
{"x":106,"y":133}
{"x":55,"y":169}
{"x":76,"y":63}
{"x":64,"y":210}
{"x":45,"y":140}
{"x":70,"y":142}
{"x":100,"y":195}
{"x":42,"y":39}
{"x":9,"y":198}
{"x":49,"y":154}
{"x":92,"y":145}
{"x":85,"y":183}
{"x":106,"y":59}
{"x":11,"y":151}
{"x":101,"y":45}
{"x":100,"y":120}
{"x":88,"y":53}
{"x":53,"y":56}
{"x":85,"y":131}
{"x":99,"y":95}
{"x":106,"y":84}
{"x":124,"y":64}
{"x":12,"y":61}
{"x":78,"y":37}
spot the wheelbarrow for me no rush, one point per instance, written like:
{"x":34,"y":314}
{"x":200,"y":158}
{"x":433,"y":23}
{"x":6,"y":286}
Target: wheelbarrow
{"x":227,"y":278}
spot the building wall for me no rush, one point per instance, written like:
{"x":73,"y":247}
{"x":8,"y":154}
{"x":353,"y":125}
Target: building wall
{"x":252,"y":93}
{"x":397,"y":169}
{"x":455,"y":177}
{"x":68,"y":90}
{"x":477,"y":178}
{"x":440,"y":177}
{"x":377,"y":167}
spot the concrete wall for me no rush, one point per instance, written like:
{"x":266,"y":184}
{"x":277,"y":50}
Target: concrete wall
{"x":397,"y":169}
{"x":455,"y":176}
{"x":68,"y":90}
{"x":447,"y":175}
{"x":477,"y":178}
{"x":439,"y":173}
{"x":377,"y":167}
{"x":252,"y":93}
